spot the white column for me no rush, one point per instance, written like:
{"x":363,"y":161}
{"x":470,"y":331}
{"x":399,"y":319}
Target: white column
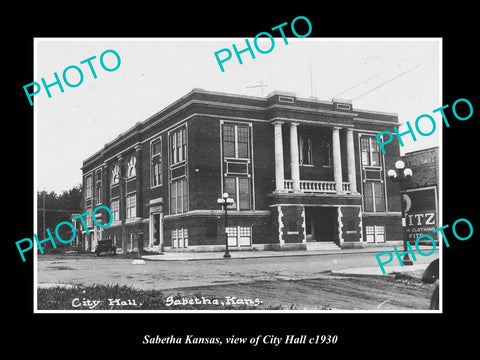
{"x":294,"y":157}
{"x":279,"y":175}
{"x":337,"y":160}
{"x":352,"y":179}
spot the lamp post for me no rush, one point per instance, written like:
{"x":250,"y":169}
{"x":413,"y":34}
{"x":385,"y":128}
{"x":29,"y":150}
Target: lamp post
{"x":402,"y":175}
{"x":224,"y":201}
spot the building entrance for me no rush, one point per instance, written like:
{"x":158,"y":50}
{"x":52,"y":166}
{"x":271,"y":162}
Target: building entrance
{"x":320,"y":223}
{"x":156,"y":231}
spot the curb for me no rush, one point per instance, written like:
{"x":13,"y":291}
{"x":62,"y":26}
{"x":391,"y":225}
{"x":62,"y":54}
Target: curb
{"x":191,"y":256}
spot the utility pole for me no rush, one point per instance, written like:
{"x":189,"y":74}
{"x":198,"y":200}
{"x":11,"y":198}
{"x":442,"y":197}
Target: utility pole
{"x":44,"y":192}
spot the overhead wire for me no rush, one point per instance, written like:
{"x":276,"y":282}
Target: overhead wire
{"x":388,"y":81}
{"x":370,"y":78}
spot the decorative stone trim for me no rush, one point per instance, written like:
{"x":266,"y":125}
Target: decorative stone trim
{"x":340,"y":224}
{"x":280,"y":225}
{"x":304,"y":226}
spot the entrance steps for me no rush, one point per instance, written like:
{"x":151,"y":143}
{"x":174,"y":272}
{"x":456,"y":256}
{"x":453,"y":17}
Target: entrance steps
{"x":322,"y":245}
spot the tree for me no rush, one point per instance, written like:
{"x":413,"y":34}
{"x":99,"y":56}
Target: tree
{"x":53,"y":209}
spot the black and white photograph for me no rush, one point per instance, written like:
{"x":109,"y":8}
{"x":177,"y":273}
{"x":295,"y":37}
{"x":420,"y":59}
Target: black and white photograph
{"x":206,"y":182}
{"x":253,"y":186}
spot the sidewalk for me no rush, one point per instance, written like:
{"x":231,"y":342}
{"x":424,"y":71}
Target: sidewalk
{"x":246,"y":254}
{"x":363,"y":271}
{"x":376,"y":271}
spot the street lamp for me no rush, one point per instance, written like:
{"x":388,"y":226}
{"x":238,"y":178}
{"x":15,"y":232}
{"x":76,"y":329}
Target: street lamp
{"x":402,"y":175}
{"x":224,"y":201}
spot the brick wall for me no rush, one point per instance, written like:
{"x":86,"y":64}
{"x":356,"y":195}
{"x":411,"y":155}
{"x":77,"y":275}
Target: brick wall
{"x":424,"y":164}
{"x":204,"y":164}
{"x":210,"y":229}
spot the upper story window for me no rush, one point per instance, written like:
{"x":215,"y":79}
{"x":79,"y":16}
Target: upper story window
{"x":236,"y":141}
{"x":156,"y":163}
{"x":370,"y":151}
{"x":326,"y":153}
{"x":178,"y":145}
{"x":374,"y":199}
{"x":373,"y":196}
{"x":98,"y":186}
{"x":88,"y":186}
{"x":115,"y":174}
{"x":179,"y":196}
{"x":305,"y":152}
{"x":89,"y":217}
{"x":115,"y":208}
{"x":131,"y":206}
{"x":132,"y":166}
{"x":238,"y":188}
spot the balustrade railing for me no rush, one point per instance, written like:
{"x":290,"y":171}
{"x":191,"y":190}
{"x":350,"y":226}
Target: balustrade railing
{"x":315,"y":186}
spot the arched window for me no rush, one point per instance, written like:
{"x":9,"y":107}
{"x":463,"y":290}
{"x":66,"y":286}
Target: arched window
{"x":132,"y":166}
{"x":115,"y":174}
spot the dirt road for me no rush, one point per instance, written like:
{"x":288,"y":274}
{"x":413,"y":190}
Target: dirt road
{"x":326,"y":293}
{"x":300,"y":283}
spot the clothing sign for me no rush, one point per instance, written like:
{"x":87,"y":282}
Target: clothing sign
{"x":420,"y":212}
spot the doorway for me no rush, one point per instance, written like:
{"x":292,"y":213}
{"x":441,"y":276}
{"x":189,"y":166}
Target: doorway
{"x":320,"y":223}
{"x":156,"y":231}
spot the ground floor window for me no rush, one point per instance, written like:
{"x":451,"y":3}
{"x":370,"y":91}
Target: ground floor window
{"x":179,"y":238}
{"x":375,"y":233}
{"x":239,"y":236}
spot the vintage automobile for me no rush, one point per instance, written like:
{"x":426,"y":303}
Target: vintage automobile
{"x":105,"y":246}
{"x":430,"y":276}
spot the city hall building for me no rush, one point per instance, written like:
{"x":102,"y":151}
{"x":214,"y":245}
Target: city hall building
{"x":303,"y":173}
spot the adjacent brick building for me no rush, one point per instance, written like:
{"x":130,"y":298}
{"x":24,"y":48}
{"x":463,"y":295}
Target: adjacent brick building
{"x":424,"y":164}
{"x":422,"y":213}
{"x":303,"y":173}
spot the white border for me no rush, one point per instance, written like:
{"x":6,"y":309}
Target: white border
{"x":333,"y":39}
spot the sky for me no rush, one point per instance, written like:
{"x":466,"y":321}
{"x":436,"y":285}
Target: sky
{"x":401,"y":76}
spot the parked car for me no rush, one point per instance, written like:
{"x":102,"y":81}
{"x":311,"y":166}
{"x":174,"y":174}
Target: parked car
{"x":105,"y":246}
{"x":431,"y":275}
